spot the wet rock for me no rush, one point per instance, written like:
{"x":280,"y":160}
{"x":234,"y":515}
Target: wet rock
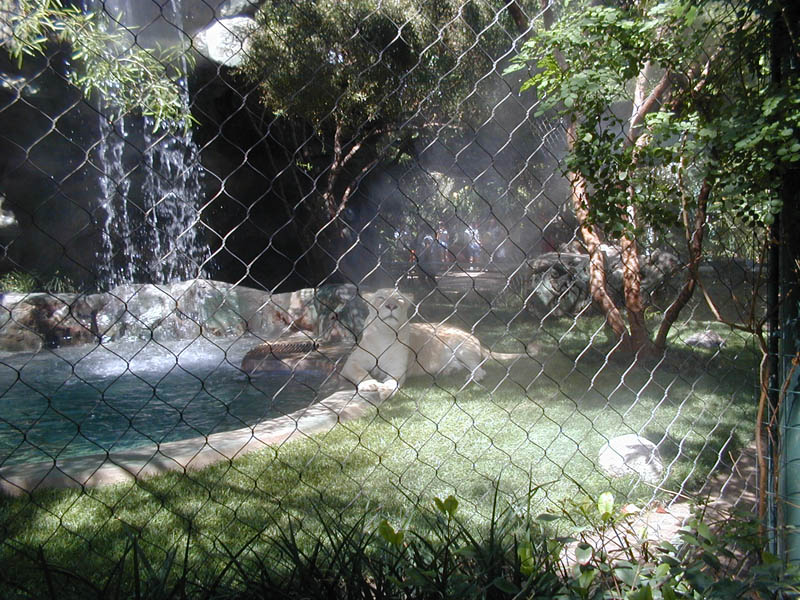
{"x":327,"y":320}
{"x":332,"y":312}
{"x":631,"y":455}
{"x":232,"y":8}
{"x":341,"y":313}
{"x":33,"y":321}
{"x":178,"y":311}
{"x":19,"y":339}
{"x":710,"y":340}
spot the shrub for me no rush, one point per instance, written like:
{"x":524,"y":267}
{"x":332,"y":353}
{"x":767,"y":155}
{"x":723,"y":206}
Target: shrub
{"x":586,"y":550}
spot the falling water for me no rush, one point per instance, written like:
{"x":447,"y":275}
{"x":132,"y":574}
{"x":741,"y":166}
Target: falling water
{"x":150,"y":181}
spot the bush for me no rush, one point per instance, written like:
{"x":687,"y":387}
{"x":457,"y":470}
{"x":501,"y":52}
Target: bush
{"x":25,"y":282}
{"x":587,"y":550}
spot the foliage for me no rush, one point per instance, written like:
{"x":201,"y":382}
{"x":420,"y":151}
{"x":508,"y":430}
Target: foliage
{"x":401,"y":62}
{"x":26,"y":282}
{"x":721,"y":559}
{"x":126,"y":76}
{"x":721,"y":118}
{"x":676,"y":112}
{"x":19,"y":281}
{"x":588,"y":549}
{"x":351,"y":87}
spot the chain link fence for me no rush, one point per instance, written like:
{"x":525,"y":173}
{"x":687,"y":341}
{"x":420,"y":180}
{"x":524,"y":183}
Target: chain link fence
{"x":356,"y":277}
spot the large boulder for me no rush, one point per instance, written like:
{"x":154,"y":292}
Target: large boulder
{"x":329,"y":320}
{"x":226,"y":41}
{"x":29,"y":322}
{"x":232,"y":8}
{"x":709,"y":340}
{"x":556,"y":284}
{"x":631,"y":454}
{"x":188,"y":309}
{"x":178,"y":311}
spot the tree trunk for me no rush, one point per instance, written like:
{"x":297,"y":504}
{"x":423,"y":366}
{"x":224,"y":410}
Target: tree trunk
{"x":694,"y":242}
{"x":632,"y":285}
{"x":328,"y":195}
{"x":597,"y":260}
{"x":643,"y":103}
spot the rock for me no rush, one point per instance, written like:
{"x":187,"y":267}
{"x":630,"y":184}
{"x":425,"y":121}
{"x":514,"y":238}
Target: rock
{"x":19,"y":339}
{"x":183,"y":310}
{"x":707,"y":339}
{"x":329,"y":319}
{"x":186,"y":310}
{"x":631,"y":454}
{"x":8,"y":222}
{"x":333,"y":312}
{"x":341,"y":313}
{"x":226,"y":41}
{"x":259,"y":311}
{"x":31,"y":321}
{"x":232,"y":8}
{"x":557,"y":283}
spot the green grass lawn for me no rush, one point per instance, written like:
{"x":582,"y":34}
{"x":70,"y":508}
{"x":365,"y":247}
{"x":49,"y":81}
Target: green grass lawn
{"x":537,"y":424}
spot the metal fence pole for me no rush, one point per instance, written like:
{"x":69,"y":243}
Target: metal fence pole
{"x":784,"y":261}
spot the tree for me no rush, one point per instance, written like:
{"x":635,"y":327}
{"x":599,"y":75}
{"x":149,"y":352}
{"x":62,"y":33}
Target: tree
{"x":352,"y":85}
{"x":669,"y":112}
{"x":126,"y":77}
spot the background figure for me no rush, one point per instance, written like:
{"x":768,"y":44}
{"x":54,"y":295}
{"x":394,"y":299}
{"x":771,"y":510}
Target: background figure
{"x":426,"y":262}
{"x":473,"y":246}
{"x":443,"y":246}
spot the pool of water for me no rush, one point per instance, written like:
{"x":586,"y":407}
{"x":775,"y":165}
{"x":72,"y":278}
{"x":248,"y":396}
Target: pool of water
{"x":117,"y":396}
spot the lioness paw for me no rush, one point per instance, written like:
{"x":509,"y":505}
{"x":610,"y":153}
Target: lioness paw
{"x":384,"y":390}
{"x":369,"y":385}
{"x":390,"y":385}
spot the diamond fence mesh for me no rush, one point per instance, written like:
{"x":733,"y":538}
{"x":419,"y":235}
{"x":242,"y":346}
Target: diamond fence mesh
{"x":360,"y":275}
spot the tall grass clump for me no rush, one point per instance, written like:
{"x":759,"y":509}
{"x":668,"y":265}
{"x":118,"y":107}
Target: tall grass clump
{"x":587,"y":549}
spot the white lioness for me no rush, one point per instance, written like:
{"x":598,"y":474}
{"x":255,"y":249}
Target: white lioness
{"x":392,"y":348}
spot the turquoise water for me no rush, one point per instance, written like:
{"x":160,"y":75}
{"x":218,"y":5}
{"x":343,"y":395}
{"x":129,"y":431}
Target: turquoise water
{"x":117,"y":396}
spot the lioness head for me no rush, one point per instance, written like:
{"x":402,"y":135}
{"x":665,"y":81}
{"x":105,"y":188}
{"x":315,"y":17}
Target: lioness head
{"x":388,"y":306}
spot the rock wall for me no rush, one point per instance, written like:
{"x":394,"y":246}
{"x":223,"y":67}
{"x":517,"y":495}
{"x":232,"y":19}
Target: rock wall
{"x":556,"y":284}
{"x":179,"y":311}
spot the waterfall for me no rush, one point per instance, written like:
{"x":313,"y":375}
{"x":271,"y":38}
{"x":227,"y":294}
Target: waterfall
{"x":150,"y":181}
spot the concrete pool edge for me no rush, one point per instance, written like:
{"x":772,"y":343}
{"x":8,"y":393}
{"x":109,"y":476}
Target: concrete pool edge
{"x":191,"y":454}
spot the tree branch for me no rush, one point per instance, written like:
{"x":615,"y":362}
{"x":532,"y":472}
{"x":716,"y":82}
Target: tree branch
{"x":520,"y":20}
{"x":333,"y":172}
{"x":694,"y":242}
{"x":597,"y":260}
{"x":651,"y":103}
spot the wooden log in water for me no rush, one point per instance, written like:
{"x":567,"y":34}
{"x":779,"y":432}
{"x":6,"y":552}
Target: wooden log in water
{"x":293,"y":355}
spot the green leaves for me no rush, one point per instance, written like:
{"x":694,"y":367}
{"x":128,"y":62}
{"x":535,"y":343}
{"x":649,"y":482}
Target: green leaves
{"x":605,"y":505}
{"x":447,"y":506}
{"x":126,"y":77}
{"x":583,"y":553}
{"x":718,"y":119}
{"x":389,"y":61}
{"x":387,"y":532}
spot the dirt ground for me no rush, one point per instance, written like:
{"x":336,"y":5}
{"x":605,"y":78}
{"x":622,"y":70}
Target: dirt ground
{"x":732,"y":487}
